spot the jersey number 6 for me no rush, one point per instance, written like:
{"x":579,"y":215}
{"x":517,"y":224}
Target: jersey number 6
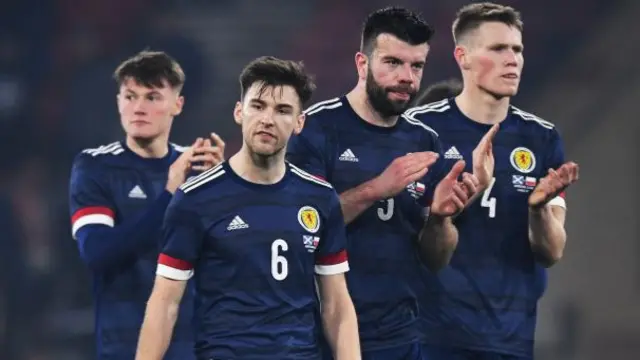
{"x":489,"y":202}
{"x":279,"y":264}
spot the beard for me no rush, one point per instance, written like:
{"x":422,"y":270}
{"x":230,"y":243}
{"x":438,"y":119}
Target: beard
{"x":262,"y":155}
{"x":379,"y":97}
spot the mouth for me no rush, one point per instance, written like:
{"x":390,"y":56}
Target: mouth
{"x":402,"y":95}
{"x":265,"y":135}
{"x":139,"y":122}
{"x":510,"y":76}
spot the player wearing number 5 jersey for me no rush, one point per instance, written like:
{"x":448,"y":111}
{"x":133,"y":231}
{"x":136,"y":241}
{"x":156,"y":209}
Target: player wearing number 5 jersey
{"x":483,"y":306}
{"x":254,"y":232}
{"x":381,"y":163}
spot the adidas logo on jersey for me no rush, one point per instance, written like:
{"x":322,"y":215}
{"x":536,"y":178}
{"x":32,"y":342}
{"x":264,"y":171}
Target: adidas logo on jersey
{"x":348,"y":155}
{"x":452,"y":153}
{"x":137,"y":193}
{"x":237,"y":223}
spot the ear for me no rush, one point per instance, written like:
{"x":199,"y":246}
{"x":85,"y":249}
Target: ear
{"x":299,"y":125}
{"x":118,"y":103}
{"x":461,"y":54}
{"x":362,"y":62}
{"x":237,"y":113}
{"x":178,"y":106}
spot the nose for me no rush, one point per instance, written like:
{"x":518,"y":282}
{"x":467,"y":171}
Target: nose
{"x":138,"y":107}
{"x":511,"y":58}
{"x":406,"y":74}
{"x":266,"y":118}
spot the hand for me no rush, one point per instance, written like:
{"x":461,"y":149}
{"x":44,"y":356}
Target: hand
{"x":197,"y":153}
{"x":401,"y":172}
{"x":483,"y":160}
{"x":553,"y":184}
{"x":451,"y":196}
{"x":213,"y":152}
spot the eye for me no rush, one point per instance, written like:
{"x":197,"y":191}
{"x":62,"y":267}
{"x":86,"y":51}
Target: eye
{"x":394,"y":62}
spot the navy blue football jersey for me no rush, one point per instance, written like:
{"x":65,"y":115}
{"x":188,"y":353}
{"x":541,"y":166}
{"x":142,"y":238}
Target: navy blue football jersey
{"x":254,"y":251}
{"x":384,"y":281}
{"x":487,"y":298}
{"x":114,"y":198}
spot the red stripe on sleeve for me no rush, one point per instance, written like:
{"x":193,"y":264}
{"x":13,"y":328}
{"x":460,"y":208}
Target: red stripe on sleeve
{"x":92,"y":210}
{"x":172,"y":262}
{"x":332,"y":259}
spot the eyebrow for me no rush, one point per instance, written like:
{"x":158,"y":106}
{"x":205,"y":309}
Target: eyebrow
{"x":278,"y":105}
{"x":505,"y":46}
{"x":391,"y":57}
{"x":152,"y":92}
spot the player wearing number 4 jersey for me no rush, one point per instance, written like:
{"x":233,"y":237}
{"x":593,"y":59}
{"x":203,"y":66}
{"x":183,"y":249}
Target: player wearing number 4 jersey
{"x":381,"y":163}
{"x":483,"y":306}
{"x":254,"y":232}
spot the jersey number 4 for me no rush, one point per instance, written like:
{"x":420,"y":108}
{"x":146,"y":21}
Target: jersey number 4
{"x":489,"y":202}
{"x":279,"y":264}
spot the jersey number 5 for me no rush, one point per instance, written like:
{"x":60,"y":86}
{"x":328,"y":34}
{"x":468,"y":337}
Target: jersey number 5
{"x":279,"y":264}
{"x":387,"y":212}
{"x":489,"y":202}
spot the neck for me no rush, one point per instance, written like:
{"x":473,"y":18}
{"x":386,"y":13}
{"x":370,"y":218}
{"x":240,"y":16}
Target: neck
{"x":258,"y":169}
{"x":482,"y":107}
{"x":157,"y":147}
{"x":360,"y":103}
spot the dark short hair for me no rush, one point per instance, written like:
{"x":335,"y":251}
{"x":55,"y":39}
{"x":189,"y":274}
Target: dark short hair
{"x":151,"y":69}
{"x":471,"y":16}
{"x":397,"y":21}
{"x":438,"y":91}
{"x":271,"y":71}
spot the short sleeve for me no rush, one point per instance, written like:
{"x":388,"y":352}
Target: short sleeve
{"x":89,"y":196}
{"x":182,"y":238}
{"x":553,"y":160}
{"x":307,"y":150}
{"x":331,"y":254}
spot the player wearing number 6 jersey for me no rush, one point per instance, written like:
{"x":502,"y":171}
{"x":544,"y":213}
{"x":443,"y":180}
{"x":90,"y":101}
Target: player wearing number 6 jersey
{"x":483,"y":306}
{"x":255,"y":231}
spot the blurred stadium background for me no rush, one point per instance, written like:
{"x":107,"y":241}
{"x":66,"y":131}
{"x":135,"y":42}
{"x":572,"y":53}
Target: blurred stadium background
{"x":57,"y":97}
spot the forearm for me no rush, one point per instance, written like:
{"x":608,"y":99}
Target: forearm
{"x":341,"y":330}
{"x":102,"y":247}
{"x":546,"y":235}
{"x":355,"y":201}
{"x":437,"y":241}
{"x":157,"y":329}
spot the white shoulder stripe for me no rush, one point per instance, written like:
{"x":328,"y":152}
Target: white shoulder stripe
{"x":306,"y":176}
{"x":530,"y":117}
{"x":203,"y":174}
{"x":438,"y":106}
{"x":419,"y":123}
{"x":114,"y":148}
{"x":321,"y":103}
{"x":202,"y":179}
{"x":324,"y":107}
{"x":179,"y":148}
